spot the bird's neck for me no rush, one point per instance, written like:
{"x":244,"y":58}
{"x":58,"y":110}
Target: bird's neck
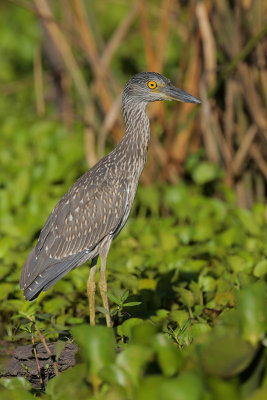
{"x":137,"y":134}
{"x":131,"y":153}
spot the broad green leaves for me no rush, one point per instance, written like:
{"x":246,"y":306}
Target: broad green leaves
{"x":97,"y":346}
{"x":69,"y":385}
{"x":251,"y":303}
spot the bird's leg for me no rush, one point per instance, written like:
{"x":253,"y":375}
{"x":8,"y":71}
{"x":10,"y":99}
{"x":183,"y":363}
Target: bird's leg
{"x":91,"y":287}
{"x":103,"y":284}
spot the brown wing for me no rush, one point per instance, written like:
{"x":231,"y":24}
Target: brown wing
{"x":80,"y":220}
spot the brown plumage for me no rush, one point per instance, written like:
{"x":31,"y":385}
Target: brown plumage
{"x":95,"y":209}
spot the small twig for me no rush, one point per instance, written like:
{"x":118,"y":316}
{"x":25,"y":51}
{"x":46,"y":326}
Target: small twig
{"x":163,"y":31}
{"x":252,"y":98}
{"x":258,"y":158}
{"x":45,"y":345}
{"x":47,"y":349}
{"x":118,"y":36}
{"x":209,"y":44}
{"x":146,"y":34}
{"x":92,"y":55}
{"x":37,"y":362}
{"x":243,"y":150}
{"x":238,"y":59}
{"x":109,"y":121}
{"x":38,"y":81}
{"x":89,"y":134}
{"x":64,"y":50}
{"x":207,"y":125}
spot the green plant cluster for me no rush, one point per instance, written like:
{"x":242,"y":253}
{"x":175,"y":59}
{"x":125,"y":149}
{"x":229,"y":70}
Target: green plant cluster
{"x":186,"y":281}
{"x":227,"y":361}
{"x":186,"y":276}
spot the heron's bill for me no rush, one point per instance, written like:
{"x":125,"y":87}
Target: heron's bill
{"x":173,"y":93}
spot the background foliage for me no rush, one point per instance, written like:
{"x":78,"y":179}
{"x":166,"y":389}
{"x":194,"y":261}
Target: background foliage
{"x":187,"y":274}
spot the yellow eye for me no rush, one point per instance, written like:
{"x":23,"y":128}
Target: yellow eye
{"x":152,"y":84}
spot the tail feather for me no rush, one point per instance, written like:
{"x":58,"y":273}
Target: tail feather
{"x":26,"y":272}
{"x":48,"y":277}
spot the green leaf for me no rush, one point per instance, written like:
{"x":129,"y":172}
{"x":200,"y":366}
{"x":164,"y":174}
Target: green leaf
{"x":180,"y":316}
{"x":134,"y":359}
{"x":60,"y":346}
{"x":202,"y":231}
{"x":168,"y":241}
{"x":223,"y":353}
{"x":115,"y":374}
{"x":15,"y":383}
{"x":252,"y":312}
{"x":260,"y":269}
{"x":147,"y":284}
{"x":206,"y":172}
{"x":113,"y":298}
{"x":52,"y":306}
{"x":260,"y":394}
{"x":223,"y":389}
{"x":149,"y":387}
{"x":241,"y":262}
{"x":169,"y":357}
{"x":126,"y":326}
{"x":142,"y":333}
{"x":187,"y":386}
{"x":187,"y":297}
{"x":185,"y":234}
{"x":4,"y":269}
{"x":18,"y":394}
{"x":97,"y":345}
{"x":248,"y":221}
{"x":102,"y":310}
{"x":198,"y":329}
{"x":69,"y":385}
{"x":125,"y":296}
{"x":74,"y":320}
{"x":132,"y":304}
{"x":6,"y":289}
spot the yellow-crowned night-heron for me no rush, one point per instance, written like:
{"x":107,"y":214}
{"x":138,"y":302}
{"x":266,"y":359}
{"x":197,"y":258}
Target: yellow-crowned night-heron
{"x":94,"y":210}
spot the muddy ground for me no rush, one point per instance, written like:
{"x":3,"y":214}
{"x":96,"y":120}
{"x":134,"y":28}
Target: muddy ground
{"x":21,"y":361}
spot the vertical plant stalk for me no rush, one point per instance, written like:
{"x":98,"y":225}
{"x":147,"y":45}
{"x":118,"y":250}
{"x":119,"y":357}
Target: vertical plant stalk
{"x":100,"y":73}
{"x":206,"y":124}
{"x":231,"y":91}
{"x":179,"y":145}
{"x":89,"y":134}
{"x":162,"y":36}
{"x":37,"y":363}
{"x":191,"y":45}
{"x":149,"y":51}
{"x":209,"y":45}
{"x":118,"y":36}
{"x":47,"y":349}
{"x":243,"y":150}
{"x":236,"y":61}
{"x":253,"y":101}
{"x":108,"y":123}
{"x":65,"y":52}
{"x":52,"y":358}
{"x":63,"y":48}
{"x":257,"y":156}
{"x":161,"y":46}
{"x":154,"y":61}
{"x":38,"y":82}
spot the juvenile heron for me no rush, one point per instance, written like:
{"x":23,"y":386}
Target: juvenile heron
{"x":94,"y":210}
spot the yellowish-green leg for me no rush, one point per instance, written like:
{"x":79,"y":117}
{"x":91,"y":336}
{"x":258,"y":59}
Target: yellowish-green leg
{"x":91,"y":288}
{"x":103,"y":287}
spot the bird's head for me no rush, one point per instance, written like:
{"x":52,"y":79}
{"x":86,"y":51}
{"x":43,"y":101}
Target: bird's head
{"x":147,"y":87}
